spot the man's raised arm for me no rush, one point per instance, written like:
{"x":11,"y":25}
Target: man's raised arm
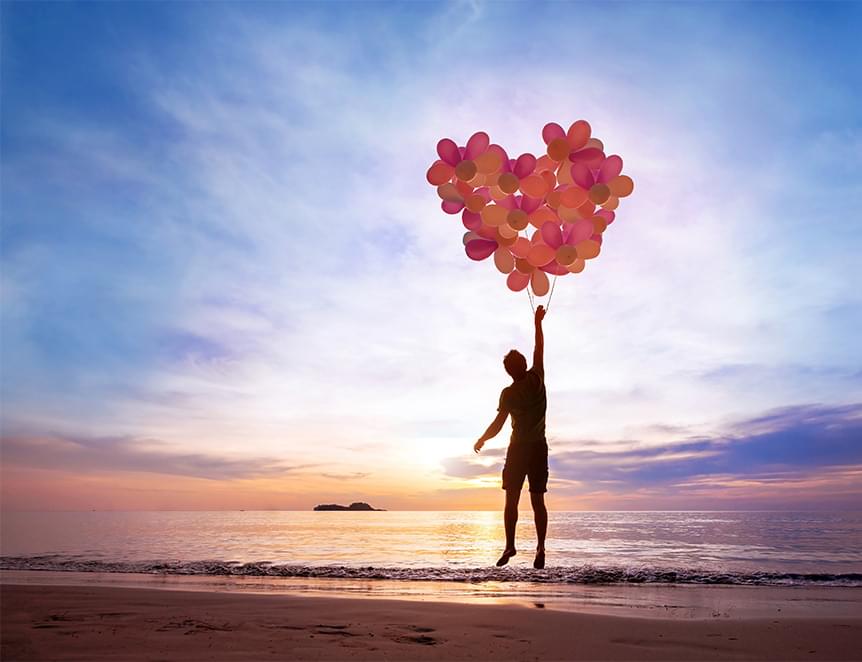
{"x":539,"y":351}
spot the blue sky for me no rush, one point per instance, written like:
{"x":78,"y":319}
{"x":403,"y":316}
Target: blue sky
{"x":219,"y":247}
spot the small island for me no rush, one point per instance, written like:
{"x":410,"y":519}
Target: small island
{"x":357,"y":505}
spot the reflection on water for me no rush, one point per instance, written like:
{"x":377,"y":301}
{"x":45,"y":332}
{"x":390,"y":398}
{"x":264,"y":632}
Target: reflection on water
{"x":749,"y":541}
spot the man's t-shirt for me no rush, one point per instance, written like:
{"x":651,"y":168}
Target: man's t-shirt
{"x":525,"y":400}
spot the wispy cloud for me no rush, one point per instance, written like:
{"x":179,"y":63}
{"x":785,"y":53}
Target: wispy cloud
{"x":117,"y":454}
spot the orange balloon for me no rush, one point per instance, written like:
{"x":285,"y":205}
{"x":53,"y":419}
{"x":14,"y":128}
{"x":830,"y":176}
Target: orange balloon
{"x":534,"y":186}
{"x":465,"y":171}
{"x":566,"y":254}
{"x":599,"y":224}
{"x":558,"y":149}
{"x":621,"y":186}
{"x":578,"y":135}
{"x":564,"y":174}
{"x":577,"y":266}
{"x":494,"y":215}
{"x":463,"y":188}
{"x":612,"y":203}
{"x":544,"y":163}
{"x":518,"y":219}
{"x":587,"y":209}
{"x":550,"y":179}
{"x":449,"y":193}
{"x":507,"y":232}
{"x":506,"y":239}
{"x":521,"y":247}
{"x":539,"y":283}
{"x":523,"y":266}
{"x":599,"y":193}
{"x":488,"y":162}
{"x":543,"y":215}
{"x":568,"y":215}
{"x":508,"y":182}
{"x":595,"y":142}
{"x":540,"y":255}
{"x":503,"y":260}
{"x":475,"y":203}
{"x":477,"y":181}
{"x":574,"y":196}
{"x":440,"y":173}
{"x":588,"y":249}
{"x":553,"y":199}
{"x":497,"y":193}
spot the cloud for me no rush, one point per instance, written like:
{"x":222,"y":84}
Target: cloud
{"x":109,"y":454}
{"x":790,"y":444}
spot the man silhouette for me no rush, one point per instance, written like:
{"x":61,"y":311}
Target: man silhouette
{"x":527,"y":455}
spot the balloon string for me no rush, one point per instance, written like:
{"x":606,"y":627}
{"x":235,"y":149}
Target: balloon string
{"x":530,"y":298}
{"x":551,"y":295}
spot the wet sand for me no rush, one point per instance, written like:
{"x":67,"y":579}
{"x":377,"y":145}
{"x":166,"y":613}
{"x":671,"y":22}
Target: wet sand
{"x":54,"y":622}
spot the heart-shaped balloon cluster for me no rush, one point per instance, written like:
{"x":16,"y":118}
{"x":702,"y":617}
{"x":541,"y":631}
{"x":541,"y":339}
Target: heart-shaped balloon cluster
{"x":535,"y":216}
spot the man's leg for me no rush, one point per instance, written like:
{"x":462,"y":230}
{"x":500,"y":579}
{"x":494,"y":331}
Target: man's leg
{"x":540,"y":514}
{"x":510,"y":519}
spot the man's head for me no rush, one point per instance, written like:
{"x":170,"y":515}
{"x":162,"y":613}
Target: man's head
{"x":515,"y":364}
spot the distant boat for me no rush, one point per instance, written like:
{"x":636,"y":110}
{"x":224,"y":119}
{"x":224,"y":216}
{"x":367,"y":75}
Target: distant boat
{"x":356,"y":505}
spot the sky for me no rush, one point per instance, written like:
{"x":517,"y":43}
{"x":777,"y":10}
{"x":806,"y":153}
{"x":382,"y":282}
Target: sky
{"x":227,"y":284}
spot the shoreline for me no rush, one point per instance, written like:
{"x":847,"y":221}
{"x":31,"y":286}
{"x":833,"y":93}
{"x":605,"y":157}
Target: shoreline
{"x":88,"y":621}
{"x":660,"y":600}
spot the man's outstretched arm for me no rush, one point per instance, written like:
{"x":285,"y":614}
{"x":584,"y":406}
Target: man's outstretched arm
{"x":492,"y":431}
{"x":539,"y":351}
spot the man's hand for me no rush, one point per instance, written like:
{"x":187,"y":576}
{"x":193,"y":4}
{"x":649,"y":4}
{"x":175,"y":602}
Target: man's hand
{"x":478,"y":445}
{"x":540,"y":314}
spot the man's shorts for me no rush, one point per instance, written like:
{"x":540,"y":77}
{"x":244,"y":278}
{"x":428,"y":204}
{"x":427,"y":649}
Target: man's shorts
{"x":526,"y":460}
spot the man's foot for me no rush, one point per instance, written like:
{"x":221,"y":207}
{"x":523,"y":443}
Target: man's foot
{"x":539,"y":561}
{"x":504,"y":559}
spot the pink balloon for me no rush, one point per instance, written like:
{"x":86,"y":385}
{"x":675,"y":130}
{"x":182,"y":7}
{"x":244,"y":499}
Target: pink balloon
{"x":580,"y":231}
{"x":529,"y":204}
{"x":584,"y":155}
{"x":471,"y":220}
{"x":461,"y":152}
{"x":451,"y":207}
{"x":597,"y":238}
{"x":552,"y":131}
{"x":485,"y":192}
{"x":610,"y":168}
{"x":608,"y":215}
{"x":582,"y":175}
{"x":477,"y":145}
{"x":552,"y":235}
{"x":509,"y":202}
{"x":521,"y":247}
{"x":524,"y":166}
{"x":516,"y":281}
{"x":555,"y":268}
{"x":480,"y":249}
{"x":448,"y":151}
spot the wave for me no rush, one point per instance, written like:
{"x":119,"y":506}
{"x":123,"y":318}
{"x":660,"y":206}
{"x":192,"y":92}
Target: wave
{"x":584,"y":574}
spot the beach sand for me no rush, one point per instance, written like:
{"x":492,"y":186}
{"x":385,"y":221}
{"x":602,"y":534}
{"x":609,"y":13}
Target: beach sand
{"x":54,"y":622}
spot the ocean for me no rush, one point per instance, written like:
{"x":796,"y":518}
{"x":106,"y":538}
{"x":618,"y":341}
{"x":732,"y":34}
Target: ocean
{"x":749,"y":548}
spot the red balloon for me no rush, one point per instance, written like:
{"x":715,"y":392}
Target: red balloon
{"x":517,"y":281}
{"x":448,"y":151}
{"x":480,"y":249}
